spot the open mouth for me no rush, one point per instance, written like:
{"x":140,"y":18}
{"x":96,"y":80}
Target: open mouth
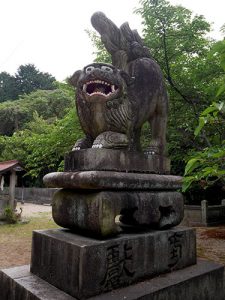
{"x":99,"y":87}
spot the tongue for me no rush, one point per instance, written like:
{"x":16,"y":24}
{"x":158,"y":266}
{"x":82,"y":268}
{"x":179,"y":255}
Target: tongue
{"x":100,"y":89}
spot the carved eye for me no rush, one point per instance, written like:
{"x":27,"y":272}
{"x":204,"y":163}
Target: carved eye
{"x":89,"y":69}
{"x":107,"y":69}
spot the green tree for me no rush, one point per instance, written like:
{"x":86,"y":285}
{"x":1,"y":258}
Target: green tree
{"x":8,"y":88}
{"x":49,"y":104}
{"x":41,"y":146}
{"x":206,"y":168}
{"x":178,"y":42}
{"x":29,"y":79}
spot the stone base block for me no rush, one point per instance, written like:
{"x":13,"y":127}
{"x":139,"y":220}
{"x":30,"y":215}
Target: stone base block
{"x":95,"y":212}
{"x":203,"y":281}
{"x":84,"y":267}
{"x":116,"y":160}
{"x":19,"y":284}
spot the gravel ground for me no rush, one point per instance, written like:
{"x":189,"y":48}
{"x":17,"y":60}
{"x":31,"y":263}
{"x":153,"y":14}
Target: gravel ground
{"x":32,"y":210}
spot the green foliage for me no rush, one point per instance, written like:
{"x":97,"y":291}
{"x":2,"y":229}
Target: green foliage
{"x":10,"y":215}
{"x":178,"y":42}
{"x":38,"y":129}
{"x":41,"y":146}
{"x":207,"y":167}
{"x":48,"y":104}
{"x":27,"y":79}
{"x":212,"y":116}
{"x":8,"y":87}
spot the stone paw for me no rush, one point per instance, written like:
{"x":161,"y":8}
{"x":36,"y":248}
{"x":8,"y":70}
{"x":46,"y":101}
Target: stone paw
{"x":83,"y":143}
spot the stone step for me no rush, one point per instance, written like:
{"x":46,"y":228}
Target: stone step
{"x":202,"y":281}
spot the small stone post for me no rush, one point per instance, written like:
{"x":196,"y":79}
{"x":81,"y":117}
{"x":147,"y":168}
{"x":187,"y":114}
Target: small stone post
{"x":223,"y":202}
{"x":204,"y":206}
{"x":12,"y":186}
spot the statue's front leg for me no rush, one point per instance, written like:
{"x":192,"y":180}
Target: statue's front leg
{"x":83,"y":143}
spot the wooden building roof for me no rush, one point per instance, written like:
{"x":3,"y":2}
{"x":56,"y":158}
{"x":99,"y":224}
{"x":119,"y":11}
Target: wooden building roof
{"x":10,"y":165}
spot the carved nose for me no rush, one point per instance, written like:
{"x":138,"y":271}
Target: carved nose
{"x":96,"y":72}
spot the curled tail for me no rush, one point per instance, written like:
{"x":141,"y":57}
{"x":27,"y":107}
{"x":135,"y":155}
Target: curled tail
{"x":124,"y":44}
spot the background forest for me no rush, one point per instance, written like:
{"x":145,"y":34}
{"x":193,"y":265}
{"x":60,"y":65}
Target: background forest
{"x":38,"y":122}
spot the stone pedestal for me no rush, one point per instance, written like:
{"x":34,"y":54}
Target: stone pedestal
{"x":92,"y":200}
{"x":119,"y":239}
{"x":84,"y":267}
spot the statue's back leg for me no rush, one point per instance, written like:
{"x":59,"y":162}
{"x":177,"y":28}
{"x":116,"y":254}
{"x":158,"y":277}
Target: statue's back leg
{"x":134,"y":139}
{"x":158,"y":123}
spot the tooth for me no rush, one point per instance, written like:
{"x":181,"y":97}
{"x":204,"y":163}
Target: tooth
{"x":113,"y":88}
{"x":84,"y":87}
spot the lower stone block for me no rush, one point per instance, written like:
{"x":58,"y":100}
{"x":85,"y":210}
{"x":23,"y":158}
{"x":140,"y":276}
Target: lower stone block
{"x":84,"y":267}
{"x":203,"y":281}
{"x":95,"y":211}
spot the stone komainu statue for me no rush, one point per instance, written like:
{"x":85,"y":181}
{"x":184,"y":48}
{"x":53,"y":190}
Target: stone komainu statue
{"x":114,"y":101}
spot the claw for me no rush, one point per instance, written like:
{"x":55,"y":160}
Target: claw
{"x":76,"y":148}
{"x":150,"y":152}
{"x":97,"y":146}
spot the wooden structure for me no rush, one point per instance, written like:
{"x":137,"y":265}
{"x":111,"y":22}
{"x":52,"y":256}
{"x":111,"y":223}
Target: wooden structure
{"x":11,"y":167}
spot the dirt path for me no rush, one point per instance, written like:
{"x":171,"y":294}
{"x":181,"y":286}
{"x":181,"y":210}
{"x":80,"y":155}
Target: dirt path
{"x":15,"y":239}
{"x":211,"y":243}
{"x":32,"y":210}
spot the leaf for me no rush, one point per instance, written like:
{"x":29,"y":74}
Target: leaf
{"x":219,"y":154}
{"x":221,"y":90}
{"x":187,"y":181}
{"x":191,"y":165}
{"x":208,"y":110}
{"x":202,"y":122}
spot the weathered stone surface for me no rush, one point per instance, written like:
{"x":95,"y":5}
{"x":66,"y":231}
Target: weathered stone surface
{"x":19,"y":284}
{"x":102,"y":180}
{"x":116,"y":160}
{"x":203,"y":281}
{"x":83,"y":267}
{"x":95,"y":212}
